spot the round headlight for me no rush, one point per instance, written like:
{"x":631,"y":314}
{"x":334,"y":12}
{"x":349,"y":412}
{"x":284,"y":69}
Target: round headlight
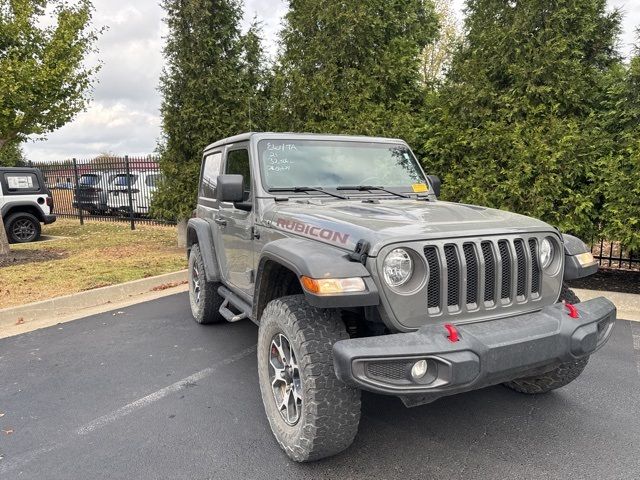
{"x":397,"y":267}
{"x":546,"y":253}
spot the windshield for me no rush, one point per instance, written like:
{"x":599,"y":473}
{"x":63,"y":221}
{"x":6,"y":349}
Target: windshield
{"x":89,"y":179}
{"x":121,"y":180}
{"x":331,"y":164}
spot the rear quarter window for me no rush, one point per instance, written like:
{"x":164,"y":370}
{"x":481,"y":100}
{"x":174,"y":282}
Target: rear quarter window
{"x":21,"y":182}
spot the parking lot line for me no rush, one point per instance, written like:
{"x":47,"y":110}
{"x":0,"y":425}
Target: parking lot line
{"x":635,"y":334}
{"x":28,"y":457}
{"x":159,"y":394}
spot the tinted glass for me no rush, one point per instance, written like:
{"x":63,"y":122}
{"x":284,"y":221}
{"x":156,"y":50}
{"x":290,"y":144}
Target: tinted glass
{"x":330,"y":164}
{"x":121,"y":180}
{"x":152,"y":180}
{"x":89,"y":179}
{"x":210,"y":173}
{"x":238,"y":164}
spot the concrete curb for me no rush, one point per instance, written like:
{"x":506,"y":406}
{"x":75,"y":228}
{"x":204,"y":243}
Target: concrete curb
{"x":628,"y":304}
{"x":71,"y":304}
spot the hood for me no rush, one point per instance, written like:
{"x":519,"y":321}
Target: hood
{"x":344,"y":223}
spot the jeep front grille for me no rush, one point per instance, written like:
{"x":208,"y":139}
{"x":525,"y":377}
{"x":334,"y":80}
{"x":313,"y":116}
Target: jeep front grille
{"x":476,"y":275}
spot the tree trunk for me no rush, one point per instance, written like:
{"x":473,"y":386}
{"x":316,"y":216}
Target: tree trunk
{"x":182,"y":232}
{"x":4,"y":241}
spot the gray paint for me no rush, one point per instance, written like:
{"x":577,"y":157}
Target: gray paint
{"x":487,"y":353}
{"x":202,"y":234}
{"x":321,"y":231}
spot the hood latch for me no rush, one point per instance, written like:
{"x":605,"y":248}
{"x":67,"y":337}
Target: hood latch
{"x":360,"y":252}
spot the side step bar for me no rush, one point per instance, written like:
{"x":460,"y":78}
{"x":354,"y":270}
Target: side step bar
{"x":236,"y":302}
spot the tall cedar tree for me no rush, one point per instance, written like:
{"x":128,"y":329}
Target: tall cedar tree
{"x":516,"y":124}
{"x":212,"y":78}
{"x":620,"y":186}
{"x":352,"y":67}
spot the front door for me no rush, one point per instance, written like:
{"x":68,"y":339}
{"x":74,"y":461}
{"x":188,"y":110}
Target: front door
{"x":235,"y":226}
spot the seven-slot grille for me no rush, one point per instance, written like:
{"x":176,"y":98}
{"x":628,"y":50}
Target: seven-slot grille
{"x":471,"y":275}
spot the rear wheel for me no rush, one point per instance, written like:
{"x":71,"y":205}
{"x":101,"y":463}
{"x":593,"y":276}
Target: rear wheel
{"x":312,"y":414}
{"x":22,"y":227}
{"x":558,"y":377}
{"x":203,"y":295}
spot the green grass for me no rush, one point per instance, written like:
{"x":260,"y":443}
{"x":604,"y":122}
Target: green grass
{"x":94,"y":255}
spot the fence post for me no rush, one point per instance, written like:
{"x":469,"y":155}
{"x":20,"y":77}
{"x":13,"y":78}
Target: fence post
{"x":77,"y":190}
{"x":131,"y":217}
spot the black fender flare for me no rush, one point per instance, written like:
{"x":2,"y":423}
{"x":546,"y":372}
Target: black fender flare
{"x":199,"y":231}
{"x":22,"y":203}
{"x":573,"y":269}
{"x":317,"y":260}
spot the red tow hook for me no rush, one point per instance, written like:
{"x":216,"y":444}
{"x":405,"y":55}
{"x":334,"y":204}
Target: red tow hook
{"x":573,"y":311}
{"x":453,"y":336}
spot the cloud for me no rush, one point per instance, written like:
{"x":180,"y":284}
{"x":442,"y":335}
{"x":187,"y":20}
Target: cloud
{"x":124,"y":115}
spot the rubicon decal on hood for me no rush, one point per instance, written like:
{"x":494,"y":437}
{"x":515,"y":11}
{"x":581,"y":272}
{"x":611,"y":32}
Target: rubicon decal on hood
{"x":313,"y":231}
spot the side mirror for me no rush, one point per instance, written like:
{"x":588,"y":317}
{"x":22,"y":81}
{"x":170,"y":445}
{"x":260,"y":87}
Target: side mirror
{"x":230,"y":188}
{"x":435,"y":182}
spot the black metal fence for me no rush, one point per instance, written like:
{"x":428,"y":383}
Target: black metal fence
{"x":104,"y":188}
{"x":615,"y":256}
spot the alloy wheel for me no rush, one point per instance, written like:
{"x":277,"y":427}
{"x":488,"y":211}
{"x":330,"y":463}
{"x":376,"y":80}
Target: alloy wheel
{"x":284,"y":374}
{"x":195,"y":284}
{"x":24,"y":230}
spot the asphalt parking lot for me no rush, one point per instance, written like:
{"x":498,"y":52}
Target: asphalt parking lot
{"x":147,"y":393}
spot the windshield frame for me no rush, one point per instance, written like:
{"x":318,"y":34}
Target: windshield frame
{"x":348,"y":141}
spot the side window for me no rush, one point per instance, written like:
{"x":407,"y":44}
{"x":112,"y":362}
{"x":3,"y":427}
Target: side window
{"x":210,"y":173}
{"x":238,"y":164}
{"x":21,"y":182}
{"x":152,"y":180}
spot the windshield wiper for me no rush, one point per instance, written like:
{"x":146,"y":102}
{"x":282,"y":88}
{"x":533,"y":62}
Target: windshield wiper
{"x":307,"y":189}
{"x":362,"y":188}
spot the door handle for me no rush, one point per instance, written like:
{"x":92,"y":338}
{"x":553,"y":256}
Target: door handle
{"x":220,"y":221}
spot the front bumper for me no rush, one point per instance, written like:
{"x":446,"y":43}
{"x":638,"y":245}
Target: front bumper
{"x":487,"y":353}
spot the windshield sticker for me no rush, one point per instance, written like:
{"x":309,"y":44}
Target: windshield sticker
{"x":282,"y":147}
{"x":420,"y":187}
{"x":313,"y":231}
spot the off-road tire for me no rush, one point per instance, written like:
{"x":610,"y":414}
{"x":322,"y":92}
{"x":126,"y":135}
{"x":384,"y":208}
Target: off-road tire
{"x":206,"y":310}
{"x":330,"y":411}
{"x":558,"y":377}
{"x":14,"y":219}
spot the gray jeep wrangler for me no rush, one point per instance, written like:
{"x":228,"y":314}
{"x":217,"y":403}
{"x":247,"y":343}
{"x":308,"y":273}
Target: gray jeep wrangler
{"x":359,"y":278}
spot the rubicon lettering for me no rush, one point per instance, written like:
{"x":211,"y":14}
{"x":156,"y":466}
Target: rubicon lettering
{"x":313,"y":231}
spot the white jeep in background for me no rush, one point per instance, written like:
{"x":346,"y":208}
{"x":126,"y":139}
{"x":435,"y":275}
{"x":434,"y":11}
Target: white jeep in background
{"x":25,"y":203}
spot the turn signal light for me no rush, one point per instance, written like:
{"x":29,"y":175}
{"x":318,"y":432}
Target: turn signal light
{"x":328,"y":286}
{"x":585,"y":259}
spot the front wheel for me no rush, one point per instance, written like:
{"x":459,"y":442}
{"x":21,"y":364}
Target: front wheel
{"x":312,"y":414}
{"x":561,"y":375}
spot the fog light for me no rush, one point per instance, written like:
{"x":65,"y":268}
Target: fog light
{"x":419,"y":369}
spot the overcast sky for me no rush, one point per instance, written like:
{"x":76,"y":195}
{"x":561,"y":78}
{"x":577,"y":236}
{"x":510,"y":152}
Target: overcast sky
{"x":123,"y":116}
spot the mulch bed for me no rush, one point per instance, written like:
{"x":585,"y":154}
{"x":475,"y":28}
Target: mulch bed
{"x":19,"y":257}
{"x":610,"y":280}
